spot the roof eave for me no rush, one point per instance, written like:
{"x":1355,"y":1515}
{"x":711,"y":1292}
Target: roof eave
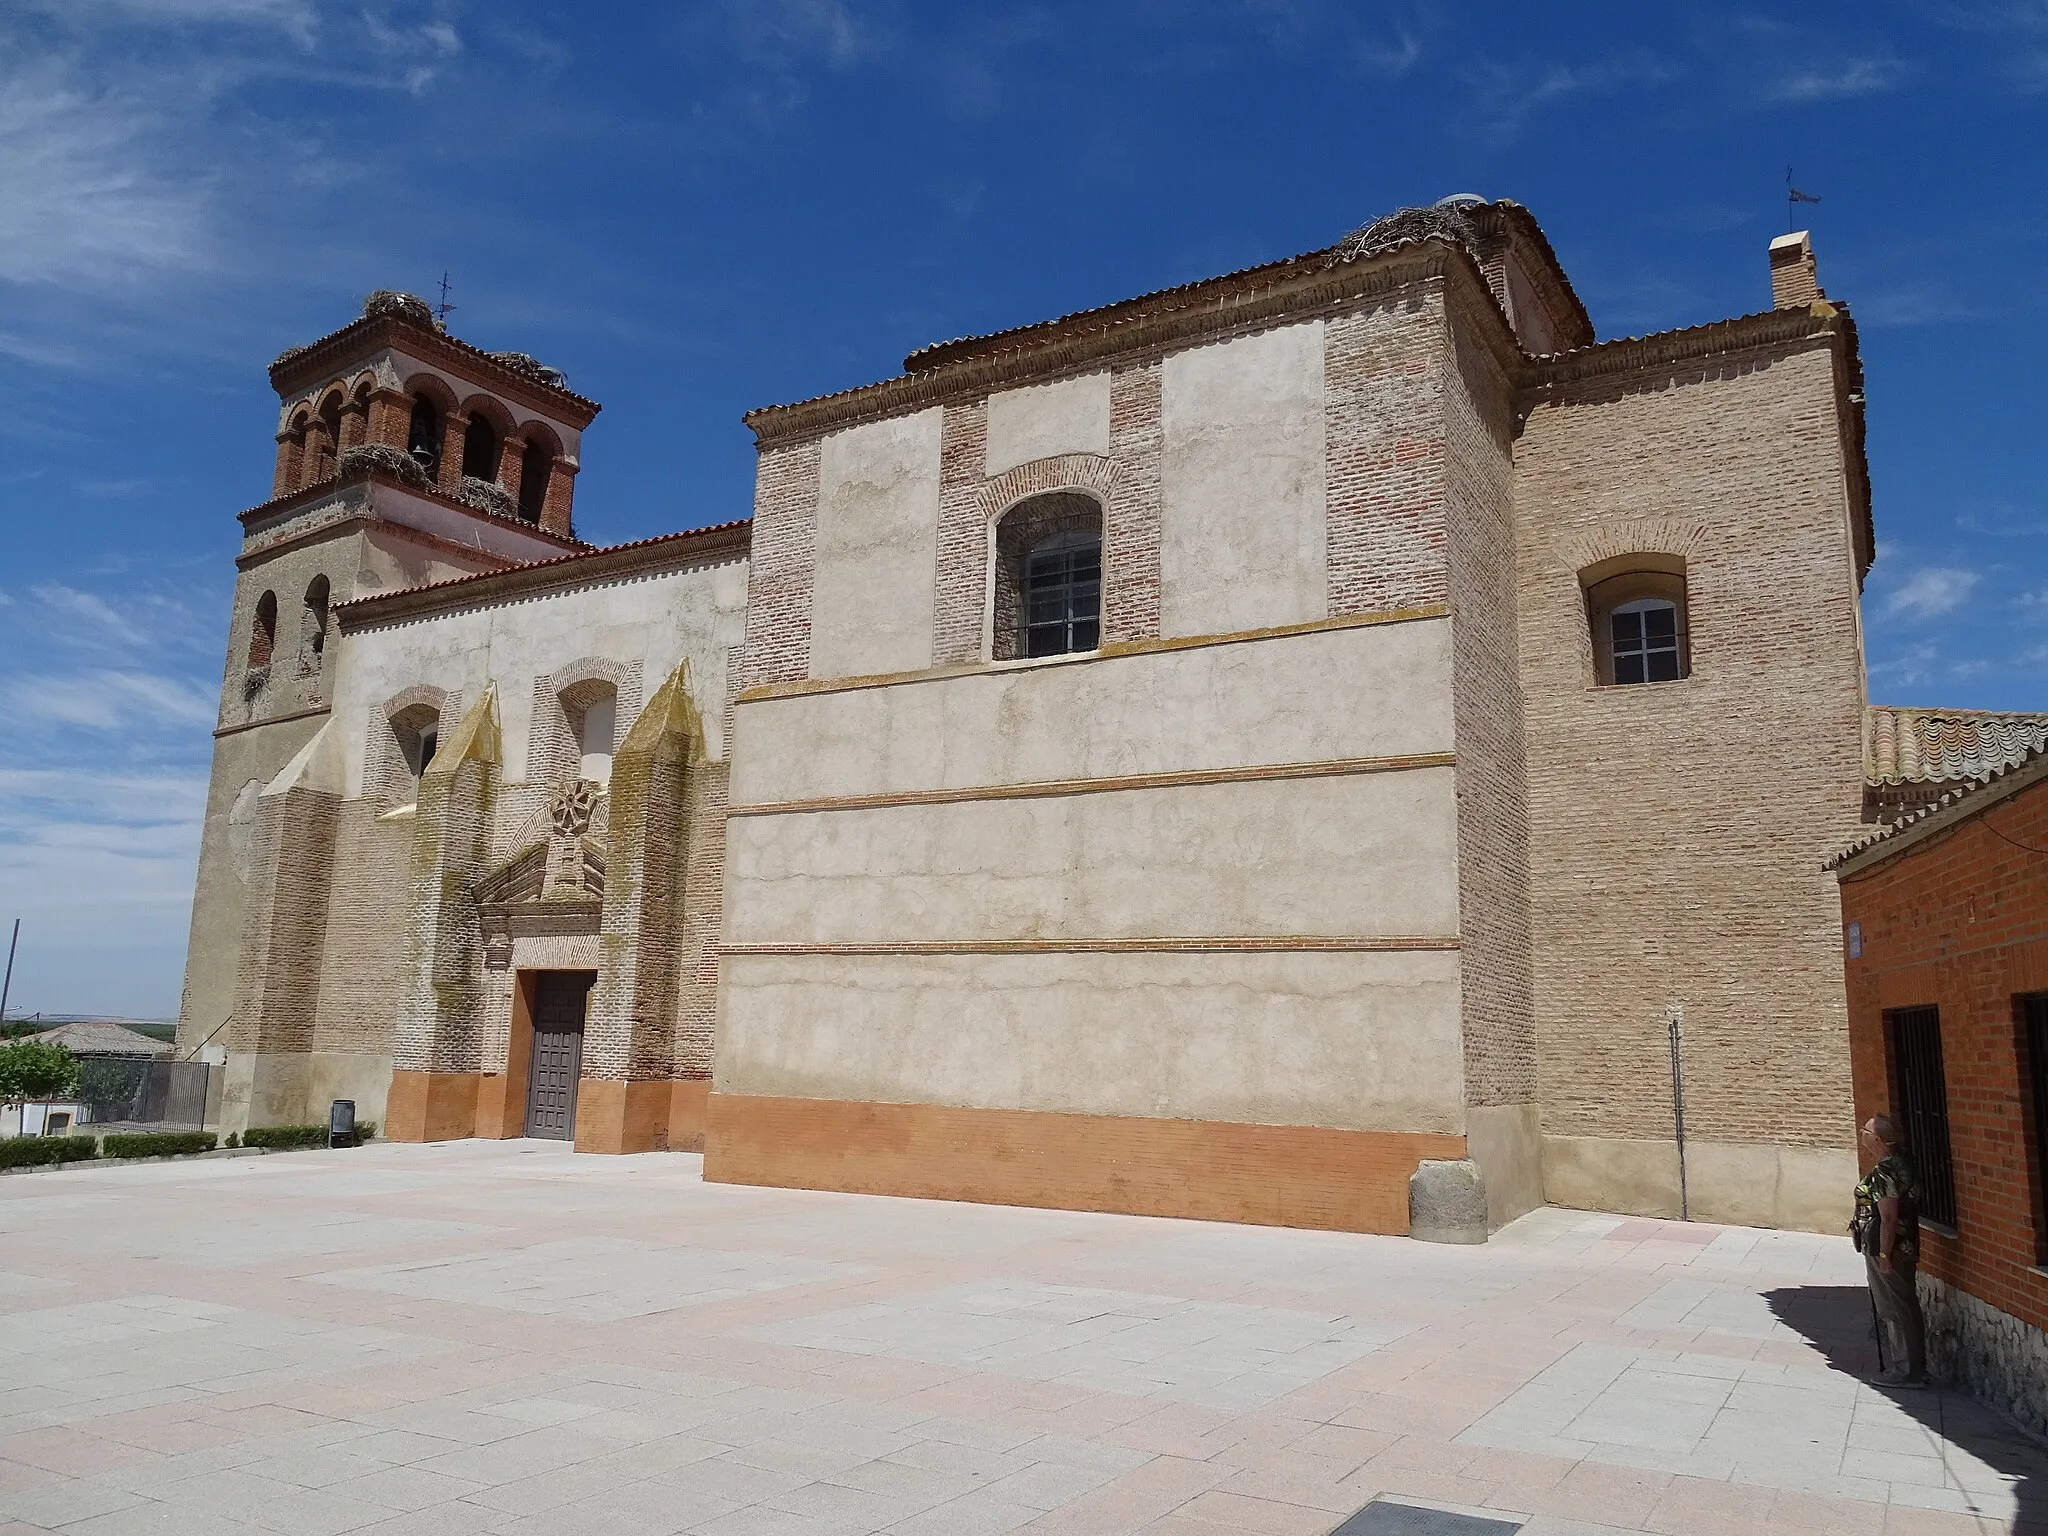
{"x":1964,"y":803}
{"x":1251,"y":299}
{"x":585,"y":567}
{"x":314,"y":363}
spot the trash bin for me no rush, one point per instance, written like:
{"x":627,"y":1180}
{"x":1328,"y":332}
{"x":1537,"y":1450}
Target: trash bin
{"x":341,"y":1123}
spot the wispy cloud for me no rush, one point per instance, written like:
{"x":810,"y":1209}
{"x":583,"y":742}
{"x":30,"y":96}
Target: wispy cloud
{"x":105,"y":700}
{"x":1506,"y":96}
{"x":1930,"y":592}
{"x":1392,"y":55}
{"x":87,"y":194}
{"x":1839,"y":79}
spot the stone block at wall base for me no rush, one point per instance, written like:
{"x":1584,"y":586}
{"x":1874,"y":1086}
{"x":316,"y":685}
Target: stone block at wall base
{"x":1447,"y":1203}
{"x":1802,"y":1189}
{"x":1506,"y":1141}
{"x":1268,"y":1175}
{"x":687,"y":1105}
{"x":431,"y":1106}
{"x":1997,"y":1358}
{"x":621,"y":1117}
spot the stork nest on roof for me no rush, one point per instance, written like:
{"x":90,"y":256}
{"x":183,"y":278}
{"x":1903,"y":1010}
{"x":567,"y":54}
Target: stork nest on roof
{"x":532,"y":367}
{"x":409,"y":307}
{"x":1405,"y":225}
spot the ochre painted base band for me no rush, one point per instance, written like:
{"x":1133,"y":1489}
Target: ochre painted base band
{"x":686,"y":1114}
{"x":650,"y":1116}
{"x":1268,"y":1175}
{"x":431,"y":1106}
{"x":621,"y":1117}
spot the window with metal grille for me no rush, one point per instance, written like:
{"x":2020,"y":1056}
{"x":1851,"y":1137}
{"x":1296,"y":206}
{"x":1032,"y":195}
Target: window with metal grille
{"x":1063,"y":595}
{"x":2034,"y":1051}
{"x":1646,"y":646}
{"x":1921,"y":1093}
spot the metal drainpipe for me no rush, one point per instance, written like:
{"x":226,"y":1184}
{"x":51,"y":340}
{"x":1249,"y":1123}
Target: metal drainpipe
{"x":1677,"y":1023}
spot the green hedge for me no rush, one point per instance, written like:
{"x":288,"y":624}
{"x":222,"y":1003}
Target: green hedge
{"x":285,"y":1138}
{"x":298,"y":1138}
{"x":40,"y":1151}
{"x":157,"y":1144}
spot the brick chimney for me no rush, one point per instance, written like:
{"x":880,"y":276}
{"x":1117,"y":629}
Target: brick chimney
{"x":1795,"y":277}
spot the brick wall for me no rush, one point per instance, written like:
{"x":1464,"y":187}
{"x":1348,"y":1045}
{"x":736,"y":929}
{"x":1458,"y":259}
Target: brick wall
{"x":1493,"y":824}
{"x":1678,"y":831}
{"x":962,"y":562}
{"x":360,"y":959}
{"x":1960,"y":921}
{"x":784,"y":559}
{"x":1383,"y":378}
{"x":1130,"y":555}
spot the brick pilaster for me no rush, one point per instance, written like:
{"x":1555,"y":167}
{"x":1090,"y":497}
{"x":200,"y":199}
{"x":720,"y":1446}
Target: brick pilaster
{"x":442,"y":993}
{"x":961,"y":594}
{"x":783,"y":565}
{"x":1384,"y":457}
{"x":1130,"y":558}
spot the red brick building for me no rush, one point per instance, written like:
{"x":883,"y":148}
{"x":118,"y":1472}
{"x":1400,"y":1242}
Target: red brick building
{"x":1945,"y":921}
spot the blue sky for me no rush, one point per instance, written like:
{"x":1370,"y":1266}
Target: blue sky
{"x":698,"y":208}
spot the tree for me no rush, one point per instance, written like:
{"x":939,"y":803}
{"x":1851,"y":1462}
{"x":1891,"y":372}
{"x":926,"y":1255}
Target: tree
{"x":36,"y":1070}
{"x":108,"y":1083}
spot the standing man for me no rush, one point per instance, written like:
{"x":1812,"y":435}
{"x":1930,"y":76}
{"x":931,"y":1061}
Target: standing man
{"x":1887,"y":1231}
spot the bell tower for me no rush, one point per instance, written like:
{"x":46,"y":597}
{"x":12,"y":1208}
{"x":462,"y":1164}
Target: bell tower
{"x":405,"y":457}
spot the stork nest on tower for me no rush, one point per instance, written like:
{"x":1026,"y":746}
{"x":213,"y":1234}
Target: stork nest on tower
{"x":385,"y":459}
{"x":409,"y":307}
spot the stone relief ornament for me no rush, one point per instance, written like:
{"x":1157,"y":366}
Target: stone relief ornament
{"x":571,"y":809}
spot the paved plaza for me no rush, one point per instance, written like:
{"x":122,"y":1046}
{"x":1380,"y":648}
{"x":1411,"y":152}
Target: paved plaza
{"x":502,"y":1337}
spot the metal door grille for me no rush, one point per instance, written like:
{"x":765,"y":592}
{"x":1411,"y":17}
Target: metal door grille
{"x":1922,"y":1092}
{"x":2034,"y":1023}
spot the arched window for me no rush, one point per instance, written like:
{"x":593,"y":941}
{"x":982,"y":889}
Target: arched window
{"x":535,"y":465}
{"x":592,"y":710}
{"x":291,"y":450}
{"x":423,"y":437}
{"x":263,"y":632}
{"x":1048,"y":568}
{"x":324,"y":442}
{"x":480,"y":450}
{"x":418,"y":729}
{"x":1636,"y":608}
{"x":313,"y":626}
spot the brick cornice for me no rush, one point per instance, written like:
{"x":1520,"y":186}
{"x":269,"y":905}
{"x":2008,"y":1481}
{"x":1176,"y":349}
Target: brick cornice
{"x":546,"y":578}
{"x":312,"y":365}
{"x":309,"y":495}
{"x":1718,"y":338}
{"x":1302,"y":287}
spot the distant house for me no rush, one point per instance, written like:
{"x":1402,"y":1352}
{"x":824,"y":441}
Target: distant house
{"x":1946,"y":938}
{"x":104,"y":1037}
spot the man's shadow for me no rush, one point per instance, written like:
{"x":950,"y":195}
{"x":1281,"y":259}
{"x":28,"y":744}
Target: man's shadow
{"x":1837,"y":1321}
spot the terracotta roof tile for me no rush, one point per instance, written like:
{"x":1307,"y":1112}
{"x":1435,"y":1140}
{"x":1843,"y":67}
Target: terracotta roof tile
{"x":1931,"y":746}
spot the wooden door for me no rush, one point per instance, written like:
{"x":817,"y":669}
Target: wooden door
{"x":557,"y":1062}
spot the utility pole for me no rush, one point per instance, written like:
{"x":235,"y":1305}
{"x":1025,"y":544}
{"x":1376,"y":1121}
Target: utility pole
{"x":8,"y":985}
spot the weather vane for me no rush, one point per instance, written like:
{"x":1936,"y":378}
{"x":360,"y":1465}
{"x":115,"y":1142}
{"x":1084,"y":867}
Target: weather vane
{"x":1793,"y":198}
{"x":442,"y":309}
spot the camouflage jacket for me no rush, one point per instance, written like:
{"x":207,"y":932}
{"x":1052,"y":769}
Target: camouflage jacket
{"x":1894,"y":1178}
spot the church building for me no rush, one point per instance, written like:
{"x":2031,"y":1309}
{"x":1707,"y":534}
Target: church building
{"x":1211,"y":755}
